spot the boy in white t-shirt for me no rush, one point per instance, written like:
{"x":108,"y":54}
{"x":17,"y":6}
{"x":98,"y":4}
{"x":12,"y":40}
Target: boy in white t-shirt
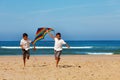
{"x":58,"y":46}
{"x":25,"y":45}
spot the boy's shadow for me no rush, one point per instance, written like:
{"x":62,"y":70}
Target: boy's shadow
{"x":66,"y":66}
{"x":39,"y":65}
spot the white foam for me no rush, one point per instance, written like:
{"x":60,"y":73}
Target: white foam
{"x":15,"y":47}
{"x":9,"y":47}
{"x":100,"y":53}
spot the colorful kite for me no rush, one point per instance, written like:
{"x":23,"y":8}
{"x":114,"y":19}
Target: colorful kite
{"x":40,"y":34}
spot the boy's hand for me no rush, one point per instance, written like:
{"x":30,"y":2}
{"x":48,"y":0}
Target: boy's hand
{"x":67,"y":46}
{"x":47,"y":31}
{"x":50,"y":34}
{"x":34,"y":49}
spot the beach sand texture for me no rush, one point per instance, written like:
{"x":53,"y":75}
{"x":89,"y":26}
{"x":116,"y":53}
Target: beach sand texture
{"x":71,"y":67}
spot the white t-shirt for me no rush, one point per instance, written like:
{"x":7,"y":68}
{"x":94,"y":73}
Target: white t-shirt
{"x":58,"y":44}
{"x":25,"y":44}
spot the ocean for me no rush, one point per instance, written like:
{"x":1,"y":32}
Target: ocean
{"x":77,"y":48}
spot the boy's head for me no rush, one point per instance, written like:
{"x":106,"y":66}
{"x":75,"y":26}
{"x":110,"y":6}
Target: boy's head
{"x":25,"y":36}
{"x":58,"y":35}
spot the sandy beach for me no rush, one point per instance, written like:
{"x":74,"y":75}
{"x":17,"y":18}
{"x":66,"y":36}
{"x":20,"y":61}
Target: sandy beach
{"x":73,"y":67}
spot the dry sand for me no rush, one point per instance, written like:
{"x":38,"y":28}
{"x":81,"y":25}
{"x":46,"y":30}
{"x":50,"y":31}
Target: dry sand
{"x":74,"y":67}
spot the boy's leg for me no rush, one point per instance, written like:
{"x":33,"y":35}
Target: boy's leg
{"x":24,"y":60}
{"x":24,"y":57}
{"x":57,"y":56}
{"x":28,"y":54}
{"x":57,"y":61}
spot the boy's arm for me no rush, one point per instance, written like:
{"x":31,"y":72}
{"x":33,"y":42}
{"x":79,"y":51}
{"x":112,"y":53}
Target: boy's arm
{"x":51,"y":35}
{"x":67,"y":45}
{"x":34,"y":46}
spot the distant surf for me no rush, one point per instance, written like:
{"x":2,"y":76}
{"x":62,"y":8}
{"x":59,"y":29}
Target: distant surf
{"x":100,"y":53}
{"x":16,"y":47}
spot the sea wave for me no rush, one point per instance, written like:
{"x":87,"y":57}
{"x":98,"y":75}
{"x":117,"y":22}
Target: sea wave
{"x":100,"y":53}
{"x":16,"y":47}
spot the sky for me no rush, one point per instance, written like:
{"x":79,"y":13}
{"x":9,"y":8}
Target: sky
{"x":74,"y":19}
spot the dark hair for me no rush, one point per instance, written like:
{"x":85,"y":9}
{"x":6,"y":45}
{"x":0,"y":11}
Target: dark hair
{"x":25,"y":34}
{"x":58,"y":34}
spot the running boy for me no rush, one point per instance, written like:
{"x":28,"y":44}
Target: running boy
{"x":58,"y":46}
{"x":25,"y":45}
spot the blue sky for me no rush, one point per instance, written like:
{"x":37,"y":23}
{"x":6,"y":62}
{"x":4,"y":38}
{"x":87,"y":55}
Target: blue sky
{"x":75,"y":19}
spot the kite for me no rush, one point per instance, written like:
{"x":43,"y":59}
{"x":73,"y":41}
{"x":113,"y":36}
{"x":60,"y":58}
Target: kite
{"x":41,"y":33}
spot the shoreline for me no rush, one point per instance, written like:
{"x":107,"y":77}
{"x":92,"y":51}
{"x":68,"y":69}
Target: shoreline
{"x":68,"y":55}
